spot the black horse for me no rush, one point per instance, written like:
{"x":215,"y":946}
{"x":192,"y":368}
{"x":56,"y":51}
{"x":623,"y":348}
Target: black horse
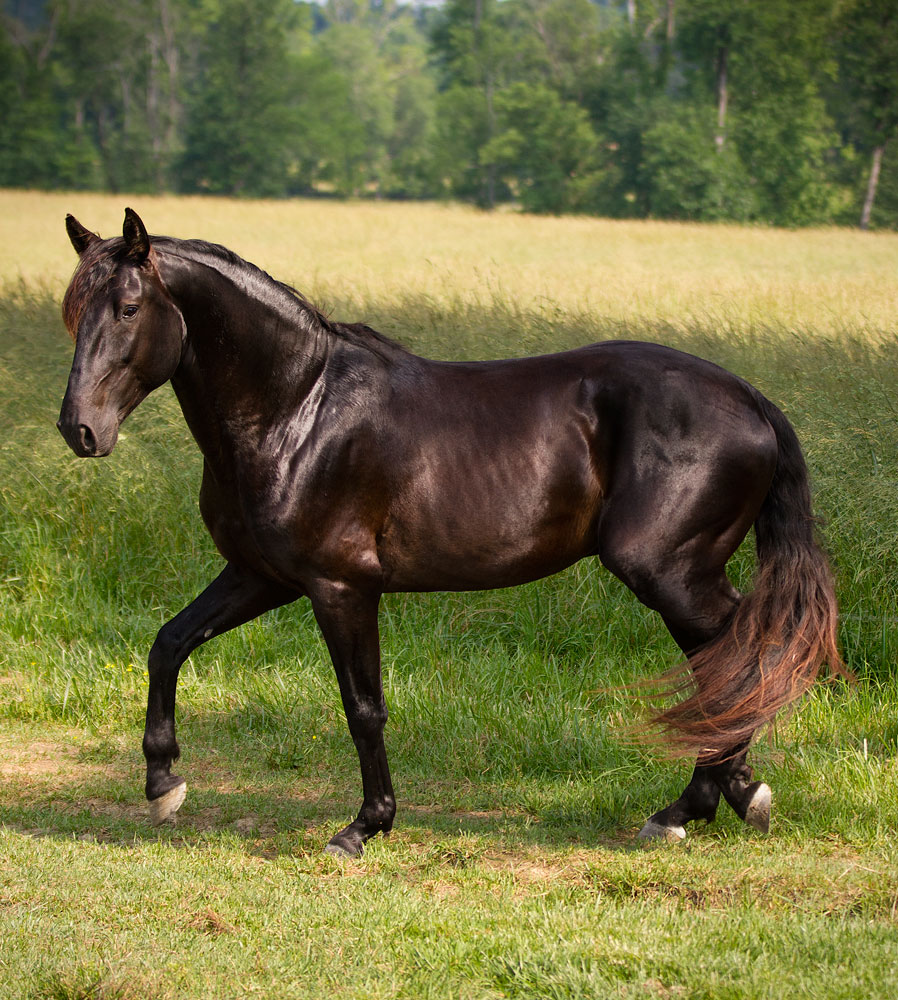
{"x":338,"y":466}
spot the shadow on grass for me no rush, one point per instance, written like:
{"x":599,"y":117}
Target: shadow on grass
{"x":95,"y":794}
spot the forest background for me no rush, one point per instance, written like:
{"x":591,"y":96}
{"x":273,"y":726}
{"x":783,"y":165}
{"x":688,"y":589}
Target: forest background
{"x":782,"y":112}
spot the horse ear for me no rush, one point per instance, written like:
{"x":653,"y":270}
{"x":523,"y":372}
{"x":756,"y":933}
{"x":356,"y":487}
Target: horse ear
{"x":81,"y":238}
{"x":136,"y":239}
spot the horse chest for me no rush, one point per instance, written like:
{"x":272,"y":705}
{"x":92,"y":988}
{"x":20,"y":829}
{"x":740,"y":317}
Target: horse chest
{"x":292,"y":527}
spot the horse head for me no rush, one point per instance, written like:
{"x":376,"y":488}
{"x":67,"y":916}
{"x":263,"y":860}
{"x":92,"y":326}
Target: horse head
{"x":128,"y":334}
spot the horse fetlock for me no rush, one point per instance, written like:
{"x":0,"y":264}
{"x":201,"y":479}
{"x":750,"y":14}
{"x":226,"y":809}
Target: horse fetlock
{"x":750,"y":801}
{"x":377,"y":817}
{"x":160,"y":750}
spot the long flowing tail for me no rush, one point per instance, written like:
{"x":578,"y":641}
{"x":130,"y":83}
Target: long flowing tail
{"x":781,"y":633}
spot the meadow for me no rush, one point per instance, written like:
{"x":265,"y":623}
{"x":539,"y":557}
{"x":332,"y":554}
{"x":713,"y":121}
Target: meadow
{"x":513,"y":869}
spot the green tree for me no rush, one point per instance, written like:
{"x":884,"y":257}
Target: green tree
{"x":621,"y":101}
{"x":684,"y":173}
{"x":866,"y":33}
{"x":761,"y":68}
{"x":543,"y":149}
{"x":568,"y":41}
{"x":327,"y":145}
{"x":239,"y":115}
{"x":382,"y":55}
{"x":115,"y":60}
{"x":479,"y":49}
{"x":42,"y":141}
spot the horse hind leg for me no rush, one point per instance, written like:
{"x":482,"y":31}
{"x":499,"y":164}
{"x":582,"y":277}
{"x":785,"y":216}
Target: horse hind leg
{"x":751,"y":800}
{"x":696,"y":603}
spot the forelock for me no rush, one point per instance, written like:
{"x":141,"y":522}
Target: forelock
{"x":93,"y":273}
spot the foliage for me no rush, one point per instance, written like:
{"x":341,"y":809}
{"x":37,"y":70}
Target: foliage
{"x":866,"y":37}
{"x":239,"y":113}
{"x":683,"y":109}
{"x":542,"y":147}
{"x":684,"y":177}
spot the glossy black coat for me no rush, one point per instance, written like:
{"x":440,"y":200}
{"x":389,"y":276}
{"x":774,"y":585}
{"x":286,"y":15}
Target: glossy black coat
{"x":339,"y":466}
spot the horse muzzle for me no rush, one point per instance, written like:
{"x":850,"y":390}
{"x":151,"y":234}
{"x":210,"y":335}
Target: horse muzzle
{"x":88,"y":435}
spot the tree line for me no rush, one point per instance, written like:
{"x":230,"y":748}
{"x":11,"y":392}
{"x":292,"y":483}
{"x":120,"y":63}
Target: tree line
{"x":774,"y":111}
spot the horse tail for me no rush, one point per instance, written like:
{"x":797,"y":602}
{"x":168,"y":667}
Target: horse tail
{"x":781,"y":633}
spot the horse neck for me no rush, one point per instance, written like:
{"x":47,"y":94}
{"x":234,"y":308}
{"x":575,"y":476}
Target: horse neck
{"x":252,"y":349}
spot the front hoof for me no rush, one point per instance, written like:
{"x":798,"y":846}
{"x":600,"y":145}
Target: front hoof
{"x":757,"y":813}
{"x":654,"y":832}
{"x":337,"y":850}
{"x":165,"y":807}
{"x":348,"y":843}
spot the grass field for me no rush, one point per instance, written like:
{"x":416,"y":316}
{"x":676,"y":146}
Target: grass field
{"x":512,"y":870}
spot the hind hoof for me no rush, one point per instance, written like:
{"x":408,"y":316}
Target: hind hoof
{"x":165,"y":807}
{"x":757,"y":814}
{"x":654,"y":832}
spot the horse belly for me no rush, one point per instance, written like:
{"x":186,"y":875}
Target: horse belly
{"x":490,"y":531}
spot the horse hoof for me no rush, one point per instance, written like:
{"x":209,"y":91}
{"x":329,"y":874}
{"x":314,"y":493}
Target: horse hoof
{"x":338,"y":851}
{"x":655,"y":832}
{"x":758,"y":812}
{"x":168,"y":804}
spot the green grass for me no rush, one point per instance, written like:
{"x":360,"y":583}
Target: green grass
{"x":511,"y":872}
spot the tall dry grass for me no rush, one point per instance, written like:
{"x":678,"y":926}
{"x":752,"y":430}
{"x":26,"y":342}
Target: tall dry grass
{"x":823,"y":282}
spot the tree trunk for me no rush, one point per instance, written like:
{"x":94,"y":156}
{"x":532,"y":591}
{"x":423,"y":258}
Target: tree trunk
{"x":720,"y":137}
{"x":485,"y":57}
{"x":170,"y":55}
{"x":491,"y":167}
{"x":631,"y":12}
{"x":872,"y":184}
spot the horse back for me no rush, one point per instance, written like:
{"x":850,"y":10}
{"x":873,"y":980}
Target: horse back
{"x":506,"y":466}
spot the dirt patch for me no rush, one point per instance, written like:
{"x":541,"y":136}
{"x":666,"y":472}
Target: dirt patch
{"x":207,"y":921}
{"x":36,"y":759}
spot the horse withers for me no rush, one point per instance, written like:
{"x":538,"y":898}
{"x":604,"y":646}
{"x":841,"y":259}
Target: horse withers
{"x":338,"y":466}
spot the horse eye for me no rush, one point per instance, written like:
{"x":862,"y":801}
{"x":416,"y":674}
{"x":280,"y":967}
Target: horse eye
{"x":129,"y":312}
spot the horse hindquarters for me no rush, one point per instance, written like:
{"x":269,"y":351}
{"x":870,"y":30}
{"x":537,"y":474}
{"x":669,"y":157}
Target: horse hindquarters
{"x":748,"y":657}
{"x":782,"y":632}
{"x":669,"y":526}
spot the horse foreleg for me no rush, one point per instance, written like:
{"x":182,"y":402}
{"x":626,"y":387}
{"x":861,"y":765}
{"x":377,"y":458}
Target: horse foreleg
{"x":348,"y":621}
{"x":234,"y":597}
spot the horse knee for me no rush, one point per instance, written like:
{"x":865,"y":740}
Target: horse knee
{"x":367,"y":719}
{"x":172,"y":646}
{"x":164,"y":651}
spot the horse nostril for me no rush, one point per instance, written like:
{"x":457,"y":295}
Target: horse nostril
{"x":87,"y":439}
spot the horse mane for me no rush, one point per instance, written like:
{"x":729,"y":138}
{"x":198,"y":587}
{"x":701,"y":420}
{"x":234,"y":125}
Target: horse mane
{"x":99,"y":261}
{"x":357,"y":333}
